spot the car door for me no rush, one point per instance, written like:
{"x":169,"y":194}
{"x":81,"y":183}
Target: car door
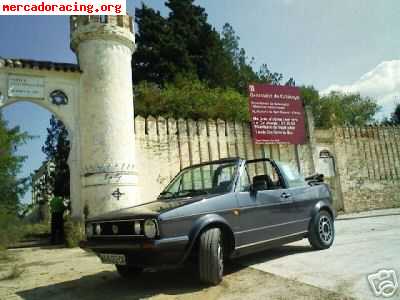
{"x":265,"y":214}
{"x":304,"y":197}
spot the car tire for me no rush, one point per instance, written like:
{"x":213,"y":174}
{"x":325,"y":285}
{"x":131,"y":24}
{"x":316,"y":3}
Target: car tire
{"x":211,"y":256}
{"x":322,"y":230}
{"x":128,"y":271}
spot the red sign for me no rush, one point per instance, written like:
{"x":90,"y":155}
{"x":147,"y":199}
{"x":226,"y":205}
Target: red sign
{"x":277,"y":114}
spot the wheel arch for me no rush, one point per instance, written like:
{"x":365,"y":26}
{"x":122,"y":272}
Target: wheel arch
{"x":320,"y":206}
{"x":204,"y":223}
{"x":313,"y":227}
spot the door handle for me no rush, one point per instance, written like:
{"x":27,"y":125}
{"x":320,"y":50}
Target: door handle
{"x":286,"y":196}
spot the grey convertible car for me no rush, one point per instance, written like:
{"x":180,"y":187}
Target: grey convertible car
{"x":213,"y":212}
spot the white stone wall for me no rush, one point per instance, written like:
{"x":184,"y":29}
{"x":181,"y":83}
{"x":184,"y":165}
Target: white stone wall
{"x":164,"y":147}
{"x":368,"y":162}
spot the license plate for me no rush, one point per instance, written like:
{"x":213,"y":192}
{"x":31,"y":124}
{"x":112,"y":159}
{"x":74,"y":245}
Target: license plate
{"x":115,"y":259}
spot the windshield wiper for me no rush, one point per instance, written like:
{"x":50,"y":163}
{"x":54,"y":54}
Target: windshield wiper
{"x":165,"y":193}
{"x":191,"y":193}
{"x":183,"y":193}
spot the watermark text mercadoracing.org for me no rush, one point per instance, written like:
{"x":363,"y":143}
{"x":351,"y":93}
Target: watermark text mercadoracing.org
{"x":62,"y":7}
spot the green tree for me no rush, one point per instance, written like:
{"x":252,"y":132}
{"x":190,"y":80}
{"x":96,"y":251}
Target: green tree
{"x":311,"y":98}
{"x":56,"y":148}
{"x":339,"y":109}
{"x":242,"y":71}
{"x":182,"y":43}
{"x":346,"y":109}
{"x":184,"y":48}
{"x":230,"y":43}
{"x":266,"y":76}
{"x":154,"y":57}
{"x":11,"y":187}
{"x":202,"y":44}
{"x":394,"y":117}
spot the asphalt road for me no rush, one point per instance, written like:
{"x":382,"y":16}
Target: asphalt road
{"x":363,"y":245}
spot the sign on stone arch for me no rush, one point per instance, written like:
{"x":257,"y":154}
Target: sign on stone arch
{"x":37,"y":82}
{"x":94,"y":100}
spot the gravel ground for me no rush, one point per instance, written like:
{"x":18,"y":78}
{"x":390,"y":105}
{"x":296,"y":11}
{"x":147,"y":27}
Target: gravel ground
{"x":74,"y":274}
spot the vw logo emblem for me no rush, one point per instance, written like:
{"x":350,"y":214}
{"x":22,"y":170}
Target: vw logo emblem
{"x":115,"y":229}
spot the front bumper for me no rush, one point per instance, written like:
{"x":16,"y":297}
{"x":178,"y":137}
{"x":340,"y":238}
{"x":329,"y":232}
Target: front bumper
{"x":142,"y":253}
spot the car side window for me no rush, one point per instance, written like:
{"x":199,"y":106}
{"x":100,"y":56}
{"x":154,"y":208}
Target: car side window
{"x":244,"y":181}
{"x":293,"y":177}
{"x":265,"y":175}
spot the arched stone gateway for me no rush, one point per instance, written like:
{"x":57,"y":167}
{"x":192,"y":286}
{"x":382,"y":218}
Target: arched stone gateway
{"x":95,"y":102}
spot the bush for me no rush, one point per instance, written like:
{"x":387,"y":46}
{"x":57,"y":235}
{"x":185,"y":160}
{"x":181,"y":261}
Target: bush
{"x":36,"y":230}
{"x":11,"y":228}
{"x":74,"y":232}
{"x":190,"y":98}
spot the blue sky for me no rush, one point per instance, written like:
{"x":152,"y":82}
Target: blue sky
{"x":342,"y":45}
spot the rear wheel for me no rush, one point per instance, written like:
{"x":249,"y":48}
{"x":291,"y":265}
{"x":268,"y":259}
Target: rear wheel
{"x":321,"y":231}
{"x":128,"y":271}
{"x":211,"y":256}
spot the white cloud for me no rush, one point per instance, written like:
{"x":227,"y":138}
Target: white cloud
{"x":288,"y":2}
{"x":381,"y":83}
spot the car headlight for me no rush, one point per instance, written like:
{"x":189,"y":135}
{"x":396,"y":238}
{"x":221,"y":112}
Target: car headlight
{"x":89,"y":230}
{"x":150,"y":229}
{"x":137,"y":227}
{"x":98,"y":229}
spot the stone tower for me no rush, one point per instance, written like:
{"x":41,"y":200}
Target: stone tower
{"x":104,"y":46}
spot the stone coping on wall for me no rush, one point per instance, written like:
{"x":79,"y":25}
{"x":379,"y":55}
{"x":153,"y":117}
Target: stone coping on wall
{"x":38,"y":65}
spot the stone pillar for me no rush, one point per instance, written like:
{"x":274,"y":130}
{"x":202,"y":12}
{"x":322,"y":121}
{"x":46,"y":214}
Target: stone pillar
{"x":310,"y":127}
{"x":104,"y":47}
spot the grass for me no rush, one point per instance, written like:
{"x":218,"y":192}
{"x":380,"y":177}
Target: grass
{"x":13,"y":229}
{"x":35,"y":230}
{"x":10,"y":229}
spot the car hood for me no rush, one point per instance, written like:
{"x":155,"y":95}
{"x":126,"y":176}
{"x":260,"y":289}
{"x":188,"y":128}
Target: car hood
{"x":149,"y":209}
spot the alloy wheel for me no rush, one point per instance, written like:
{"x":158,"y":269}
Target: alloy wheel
{"x":325,"y":229}
{"x":220,"y":254}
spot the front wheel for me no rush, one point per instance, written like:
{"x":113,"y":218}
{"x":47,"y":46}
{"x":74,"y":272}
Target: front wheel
{"x":211,"y":256}
{"x":128,"y":271}
{"x":322,"y":231}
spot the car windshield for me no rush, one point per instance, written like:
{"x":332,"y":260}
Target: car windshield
{"x":212,"y":178}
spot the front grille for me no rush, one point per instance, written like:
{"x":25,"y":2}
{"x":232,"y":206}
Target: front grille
{"x":122,"y":228}
{"x":117,"y":228}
